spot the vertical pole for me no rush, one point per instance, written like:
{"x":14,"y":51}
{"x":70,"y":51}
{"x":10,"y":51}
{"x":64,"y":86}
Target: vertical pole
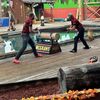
{"x":0,"y":9}
{"x":51,"y":13}
{"x":82,"y":9}
{"x":79,"y":11}
{"x":85,"y":9}
{"x":51,"y":9}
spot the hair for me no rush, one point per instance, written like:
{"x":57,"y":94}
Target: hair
{"x":30,"y":14}
{"x":70,"y":15}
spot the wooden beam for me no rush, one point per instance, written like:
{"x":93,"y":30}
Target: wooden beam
{"x":79,"y":10}
{"x":91,"y":2}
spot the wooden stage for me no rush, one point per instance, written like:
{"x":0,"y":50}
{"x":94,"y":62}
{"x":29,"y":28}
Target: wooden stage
{"x":32,"y":68}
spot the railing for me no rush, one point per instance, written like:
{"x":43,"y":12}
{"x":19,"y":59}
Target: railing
{"x":37,"y":1}
{"x":90,"y":12}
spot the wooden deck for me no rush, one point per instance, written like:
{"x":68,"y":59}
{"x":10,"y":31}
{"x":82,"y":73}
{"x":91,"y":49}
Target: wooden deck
{"x":32,"y":68}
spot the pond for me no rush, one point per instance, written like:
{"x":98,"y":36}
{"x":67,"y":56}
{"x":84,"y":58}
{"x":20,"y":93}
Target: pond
{"x":12,"y":43}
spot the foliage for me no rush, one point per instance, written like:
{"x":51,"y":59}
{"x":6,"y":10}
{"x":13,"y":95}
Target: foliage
{"x":5,"y":3}
{"x":66,"y":1}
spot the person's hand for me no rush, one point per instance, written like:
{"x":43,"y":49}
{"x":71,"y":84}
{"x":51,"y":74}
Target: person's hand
{"x":36,"y":29}
{"x":68,"y":29}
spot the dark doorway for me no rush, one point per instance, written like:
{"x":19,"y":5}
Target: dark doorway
{"x":39,"y":9}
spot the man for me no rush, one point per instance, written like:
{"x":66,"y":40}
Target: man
{"x":26,"y":39}
{"x":76,"y":25}
{"x":12,"y":22}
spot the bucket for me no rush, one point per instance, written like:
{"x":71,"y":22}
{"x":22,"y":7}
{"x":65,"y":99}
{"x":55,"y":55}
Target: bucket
{"x":4,"y":22}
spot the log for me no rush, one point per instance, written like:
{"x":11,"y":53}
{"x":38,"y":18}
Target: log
{"x":53,"y":36}
{"x":79,"y":77}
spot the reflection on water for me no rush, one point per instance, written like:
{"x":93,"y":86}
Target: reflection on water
{"x":13,"y":43}
{"x":64,"y":36}
{"x":8,"y":47}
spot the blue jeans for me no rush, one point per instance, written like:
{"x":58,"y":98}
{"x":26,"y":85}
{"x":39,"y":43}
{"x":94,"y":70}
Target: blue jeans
{"x":26,"y":39}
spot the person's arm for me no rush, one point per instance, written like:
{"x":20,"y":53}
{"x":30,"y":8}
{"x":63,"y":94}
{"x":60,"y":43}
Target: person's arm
{"x":30,"y":29}
{"x":33,"y":30}
{"x":72,"y":27}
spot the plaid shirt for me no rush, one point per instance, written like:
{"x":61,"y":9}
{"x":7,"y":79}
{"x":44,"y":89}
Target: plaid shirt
{"x":76,"y":23}
{"x":27,"y":24}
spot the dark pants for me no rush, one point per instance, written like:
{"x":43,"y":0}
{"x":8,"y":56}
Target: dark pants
{"x":80,"y":36}
{"x":26,"y":39}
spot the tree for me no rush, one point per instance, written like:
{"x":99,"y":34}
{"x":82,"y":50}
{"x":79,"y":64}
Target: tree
{"x":5,"y":4}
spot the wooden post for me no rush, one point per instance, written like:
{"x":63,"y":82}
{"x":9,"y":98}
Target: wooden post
{"x":51,"y":11}
{"x":84,"y":10}
{"x":79,"y":10}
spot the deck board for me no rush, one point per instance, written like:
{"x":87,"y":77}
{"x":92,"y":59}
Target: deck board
{"x":32,"y":68}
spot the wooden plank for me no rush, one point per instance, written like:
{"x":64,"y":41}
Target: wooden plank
{"x":91,"y":2}
{"x":32,"y":68}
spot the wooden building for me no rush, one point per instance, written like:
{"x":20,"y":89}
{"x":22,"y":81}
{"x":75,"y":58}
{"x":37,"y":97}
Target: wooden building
{"x":56,"y":9}
{"x":20,"y":8}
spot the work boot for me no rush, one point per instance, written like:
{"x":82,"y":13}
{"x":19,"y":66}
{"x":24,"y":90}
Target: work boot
{"x":73,"y":51}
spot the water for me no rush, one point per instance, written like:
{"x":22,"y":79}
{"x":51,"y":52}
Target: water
{"x":13,"y":43}
{"x":64,"y":36}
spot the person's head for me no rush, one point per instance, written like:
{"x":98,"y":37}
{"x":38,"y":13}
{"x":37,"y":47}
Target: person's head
{"x":69,"y":17}
{"x":31,"y":15}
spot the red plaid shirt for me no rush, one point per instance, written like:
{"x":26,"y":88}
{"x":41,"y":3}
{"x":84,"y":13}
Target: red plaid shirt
{"x":27,"y":24}
{"x":77,"y":24}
